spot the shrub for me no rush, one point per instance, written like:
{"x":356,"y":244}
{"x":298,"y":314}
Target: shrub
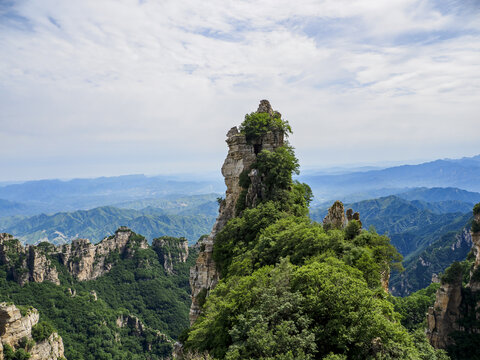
{"x":256,"y":125}
{"x":453,"y":273}
{"x":476,"y":209}
{"x":42,"y":331}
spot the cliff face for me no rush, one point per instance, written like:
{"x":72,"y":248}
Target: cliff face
{"x":442,"y":318}
{"x":455,"y":303}
{"x":171,"y":251}
{"x":27,"y":264}
{"x":86,"y":261}
{"x":14,"y":327}
{"x":241,"y":155}
{"x":82,"y":259}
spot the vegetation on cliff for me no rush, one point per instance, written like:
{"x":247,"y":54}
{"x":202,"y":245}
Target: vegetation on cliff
{"x":290,"y":289}
{"x":257,"y":124}
{"x":93,"y":316}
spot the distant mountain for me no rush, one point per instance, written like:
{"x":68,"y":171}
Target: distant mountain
{"x":9,"y":208}
{"x":421,"y":266}
{"x":411,"y":225}
{"x":97,"y":223}
{"x":51,"y":196}
{"x":441,"y":194}
{"x":461,"y":173}
{"x":177,"y":204}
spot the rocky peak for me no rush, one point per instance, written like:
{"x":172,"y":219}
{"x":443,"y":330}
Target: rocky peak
{"x":336,"y":217}
{"x":265,"y":107}
{"x":14,"y":327}
{"x":86,"y":261}
{"x":241,"y":156}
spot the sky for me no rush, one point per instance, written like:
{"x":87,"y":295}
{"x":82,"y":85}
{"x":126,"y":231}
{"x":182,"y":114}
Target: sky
{"x":100,"y":88}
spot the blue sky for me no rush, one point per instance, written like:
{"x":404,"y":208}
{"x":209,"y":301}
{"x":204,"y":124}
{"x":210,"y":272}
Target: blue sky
{"x":92,"y":88}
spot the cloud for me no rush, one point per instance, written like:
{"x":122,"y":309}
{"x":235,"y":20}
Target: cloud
{"x":128,"y":86}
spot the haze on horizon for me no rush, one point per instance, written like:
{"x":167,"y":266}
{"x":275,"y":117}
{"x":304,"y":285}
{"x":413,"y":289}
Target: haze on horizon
{"x":106,"y":88}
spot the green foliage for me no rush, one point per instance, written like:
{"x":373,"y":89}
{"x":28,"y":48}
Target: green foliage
{"x":299,"y":313}
{"x":10,"y":354}
{"x":413,"y":308}
{"x":475,"y":226}
{"x":242,"y":231}
{"x":276,"y":169}
{"x":202,"y":297}
{"x":291,"y":290}
{"x":454,"y":273}
{"x":256,"y":125}
{"x":467,"y":340}
{"x":42,"y":331}
{"x":476,"y":209}
{"x":353,"y":229}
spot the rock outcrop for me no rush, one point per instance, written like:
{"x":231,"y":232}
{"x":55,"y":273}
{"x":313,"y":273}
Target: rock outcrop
{"x":15,"y":327}
{"x":336,"y":217}
{"x":29,"y":263}
{"x":86,"y":261}
{"x":241,"y":156}
{"x":82,"y":259}
{"x":457,"y":307}
{"x":171,"y":251}
{"x":442,"y":318}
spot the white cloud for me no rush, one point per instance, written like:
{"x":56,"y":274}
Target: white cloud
{"x":116,"y":85}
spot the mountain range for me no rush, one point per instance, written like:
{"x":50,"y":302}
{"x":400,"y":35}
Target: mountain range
{"x":459,"y":173}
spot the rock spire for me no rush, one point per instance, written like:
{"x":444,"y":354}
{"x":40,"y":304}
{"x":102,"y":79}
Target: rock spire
{"x":241,"y":155}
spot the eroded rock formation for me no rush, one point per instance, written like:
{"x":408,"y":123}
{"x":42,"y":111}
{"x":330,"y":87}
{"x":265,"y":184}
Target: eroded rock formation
{"x":86,"y":261}
{"x":241,"y":155}
{"x":442,"y":318}
{"x":82,"y":259}
{"x":337,"y":218}
{"x":27,"y":264}
{"x":14,"y":327}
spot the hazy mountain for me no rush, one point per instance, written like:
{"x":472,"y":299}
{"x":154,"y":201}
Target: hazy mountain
{"x":461,"y":173}
{"x":441,"y":194}
{"x":448,"y":245}
{"x":97,"y":223}
{"x":9,"y":208}
{"x":56,"y":195}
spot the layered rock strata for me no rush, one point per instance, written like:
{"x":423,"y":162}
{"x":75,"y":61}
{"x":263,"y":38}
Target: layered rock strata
{"x":241,"y":156}
{"x":15,"y":327}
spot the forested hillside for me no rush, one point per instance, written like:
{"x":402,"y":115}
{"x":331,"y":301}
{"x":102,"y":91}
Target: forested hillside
{"x":132,"y":307}
{"x":286,"y":287}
